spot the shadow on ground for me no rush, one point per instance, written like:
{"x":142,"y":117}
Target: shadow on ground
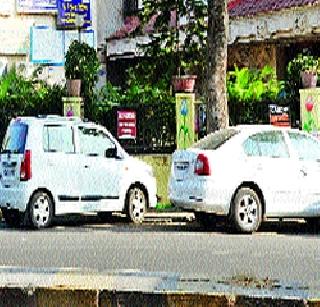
{"x":119,"y":224}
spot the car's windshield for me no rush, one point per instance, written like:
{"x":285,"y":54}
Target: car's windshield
{"x":215,"y":140}
{"x":15,"y":138}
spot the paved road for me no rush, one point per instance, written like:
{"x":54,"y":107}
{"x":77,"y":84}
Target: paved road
{"x":288,"y":252}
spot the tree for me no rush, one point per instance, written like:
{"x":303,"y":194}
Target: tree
{"x":177,"y":40}
{"x":217,"y":110}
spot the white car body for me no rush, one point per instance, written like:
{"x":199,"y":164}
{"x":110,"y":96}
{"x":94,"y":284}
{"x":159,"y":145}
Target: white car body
{"x":78,"y":182}
{"x":287,"y":186}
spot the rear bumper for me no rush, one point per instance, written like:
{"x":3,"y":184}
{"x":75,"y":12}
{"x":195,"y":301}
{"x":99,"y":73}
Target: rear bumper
{"x":201,"y":207}
{"x":14,"y":199}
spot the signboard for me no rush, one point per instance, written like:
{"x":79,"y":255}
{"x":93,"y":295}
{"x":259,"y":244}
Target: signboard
{"x":49,"y":46}
{"x":87,"y":36}
{"x":185,"y":120}
{"x":36,"y":6}
{"x":310,"y":110}
{"x":279,"y":115}
{"x":67,"y":11}
{"x":126,"y":124}
{"x":46,"y":45}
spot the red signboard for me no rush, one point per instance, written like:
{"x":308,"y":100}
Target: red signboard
{"x":126,"y":124}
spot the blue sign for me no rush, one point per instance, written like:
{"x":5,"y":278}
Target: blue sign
{"x":69,"y":9}
{"x":36,"y":5}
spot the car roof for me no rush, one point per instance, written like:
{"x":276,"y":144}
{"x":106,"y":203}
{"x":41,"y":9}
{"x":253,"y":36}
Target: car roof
{"x":259,"y":127}
{"x":48,"y":119}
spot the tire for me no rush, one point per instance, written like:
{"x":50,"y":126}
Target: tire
{"x":12,"y":218}
{"x":105,"y":217}
{"x":40,"y":210}
{"x":206,"y":220}
{"x":246,"y":211}
{"x":136,"y":204}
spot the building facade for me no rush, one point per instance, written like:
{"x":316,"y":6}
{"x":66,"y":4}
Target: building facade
{"x":30,"y":37}
{"x":260,"y":32}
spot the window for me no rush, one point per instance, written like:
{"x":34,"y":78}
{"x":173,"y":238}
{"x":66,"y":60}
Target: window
{"x":306,"y":147}
{"x":131,"y":7}
{"x":15,"y":139}
{"x":267,"y":144}
{"x":94,"y":142}
{"x":215,"y":140}
{"x":58,"y":139}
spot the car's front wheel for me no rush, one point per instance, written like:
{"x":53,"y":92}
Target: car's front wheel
{"x":136,"y":204}
{"x":41,"y":210}
{"x":246,"y":211}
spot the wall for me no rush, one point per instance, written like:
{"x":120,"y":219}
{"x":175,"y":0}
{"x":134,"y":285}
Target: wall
{"x":252,"y":55}
{"x":161,"y":165}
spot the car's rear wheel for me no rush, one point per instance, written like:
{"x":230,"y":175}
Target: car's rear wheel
{"x":136,"y":204}
{"x":41,"y":210}
{"x":246,"y":211}
{"x":11,"y":217}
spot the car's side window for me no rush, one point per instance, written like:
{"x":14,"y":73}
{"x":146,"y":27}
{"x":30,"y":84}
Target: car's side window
{"x":267,"y":144}
{"x":94,"y":142}
{"x":306,"y":147}
{"x":58,"y":138}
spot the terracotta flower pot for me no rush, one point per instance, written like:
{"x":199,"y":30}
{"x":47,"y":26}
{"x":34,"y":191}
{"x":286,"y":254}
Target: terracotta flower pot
{"x":73,"y":87}
{"x":309,"y":79}
{"x":184,"y":83}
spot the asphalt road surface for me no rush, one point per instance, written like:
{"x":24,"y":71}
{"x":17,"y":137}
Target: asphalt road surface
{"x":288,"y":252}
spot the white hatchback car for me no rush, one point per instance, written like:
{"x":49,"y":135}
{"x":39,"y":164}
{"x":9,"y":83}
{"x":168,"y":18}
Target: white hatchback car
{"x":57,"y":165}
{"x":249,"y":173}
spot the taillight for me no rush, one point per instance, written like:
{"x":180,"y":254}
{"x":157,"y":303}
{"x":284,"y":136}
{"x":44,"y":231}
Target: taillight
{"x":202,"y":166}
{"x":25,"y":168}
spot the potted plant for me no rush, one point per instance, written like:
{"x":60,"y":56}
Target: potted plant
{"x":185,"y":80}
{"x":309,"y":70}
{"x":81,"y":66}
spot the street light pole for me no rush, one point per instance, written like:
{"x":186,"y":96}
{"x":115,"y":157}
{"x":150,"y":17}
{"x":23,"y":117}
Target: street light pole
{"x":79,"y":22}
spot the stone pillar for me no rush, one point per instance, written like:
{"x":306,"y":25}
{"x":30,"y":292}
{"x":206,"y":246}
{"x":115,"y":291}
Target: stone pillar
{"x":73,"y":106}
{"x":185,"y":120}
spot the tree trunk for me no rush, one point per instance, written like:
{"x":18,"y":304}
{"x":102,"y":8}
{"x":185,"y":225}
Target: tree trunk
{"x":218,"y":23}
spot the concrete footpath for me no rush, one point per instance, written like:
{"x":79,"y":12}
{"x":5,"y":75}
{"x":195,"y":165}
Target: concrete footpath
{"x":73,"y":287}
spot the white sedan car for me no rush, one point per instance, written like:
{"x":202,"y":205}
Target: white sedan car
{"x":249,"y":173}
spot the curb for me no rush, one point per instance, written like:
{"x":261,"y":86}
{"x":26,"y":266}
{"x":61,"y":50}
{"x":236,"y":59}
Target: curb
{"x":60,"y":296}
{"x":75,"y":287}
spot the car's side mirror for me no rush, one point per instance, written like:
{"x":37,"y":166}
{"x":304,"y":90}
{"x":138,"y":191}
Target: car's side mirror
{"x":111,"y":152}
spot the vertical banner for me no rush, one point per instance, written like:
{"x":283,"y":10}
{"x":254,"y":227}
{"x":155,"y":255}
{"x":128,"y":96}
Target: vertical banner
{"x":126,"y":124}
{"x":185,"y":120}
{"x":310,"y":110}
{"x":72,"y":106}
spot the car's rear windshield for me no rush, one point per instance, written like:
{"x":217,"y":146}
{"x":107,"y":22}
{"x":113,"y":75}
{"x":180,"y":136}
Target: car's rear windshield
{"x":215,"y":140}
{"x":15,"y":139}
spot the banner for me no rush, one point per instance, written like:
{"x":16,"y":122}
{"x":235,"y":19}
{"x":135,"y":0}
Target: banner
{"x":36,"y":6}
{"x":126,"y":124}
{"x":67,"y":11}
{"x":185,"y":120}
{"x":310,"y":110}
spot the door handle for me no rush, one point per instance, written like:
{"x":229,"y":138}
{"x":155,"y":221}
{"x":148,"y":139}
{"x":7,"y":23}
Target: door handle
{"x":86,"y":166}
